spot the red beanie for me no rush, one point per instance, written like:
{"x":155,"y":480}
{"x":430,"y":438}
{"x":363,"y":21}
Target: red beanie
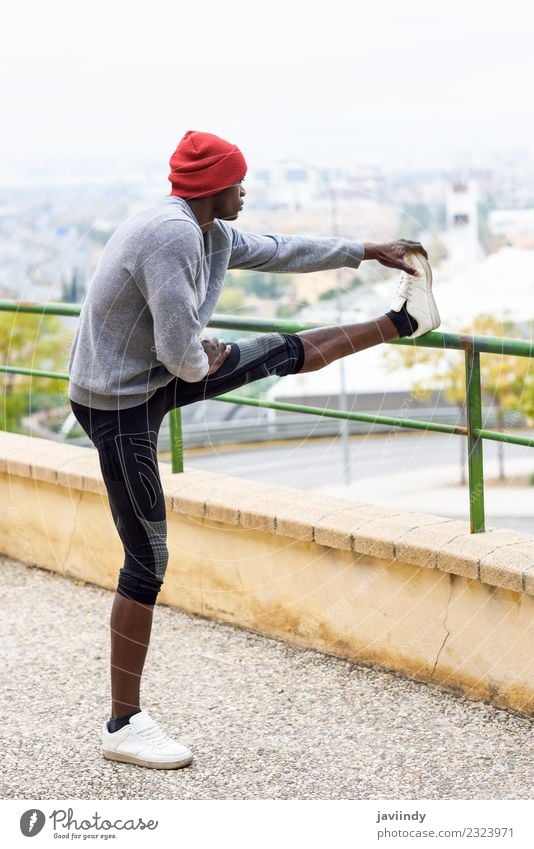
{"x":204,"y":164}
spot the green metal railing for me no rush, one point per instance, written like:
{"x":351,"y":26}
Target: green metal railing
{"x":472,"y":346}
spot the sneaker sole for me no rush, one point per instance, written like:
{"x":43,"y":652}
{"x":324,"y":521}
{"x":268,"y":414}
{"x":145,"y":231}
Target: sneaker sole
{"x":131,"y":759}
{"x":425,"y":265}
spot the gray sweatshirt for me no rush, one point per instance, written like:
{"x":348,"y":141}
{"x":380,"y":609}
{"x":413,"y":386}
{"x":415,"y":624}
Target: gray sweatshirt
{"x":155,"y":289}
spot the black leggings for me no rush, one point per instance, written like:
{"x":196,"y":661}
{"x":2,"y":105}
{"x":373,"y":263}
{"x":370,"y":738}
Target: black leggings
{"x":126,"y":441}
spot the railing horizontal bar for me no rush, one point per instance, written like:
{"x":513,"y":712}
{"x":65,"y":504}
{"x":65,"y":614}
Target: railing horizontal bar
{"x":342,"y":414}
{"x":264,"y":325}
{"x":337,"y":414}
{"x":434,"y":339}
{"x":56,"y":308}
{"x":480,"y":344}
{"x":33,"y":371}
{"x":504,"y":437}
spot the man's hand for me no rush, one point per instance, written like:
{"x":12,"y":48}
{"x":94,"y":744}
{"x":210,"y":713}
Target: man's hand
{"x":392,"y":254}
{"x":217,"y":352}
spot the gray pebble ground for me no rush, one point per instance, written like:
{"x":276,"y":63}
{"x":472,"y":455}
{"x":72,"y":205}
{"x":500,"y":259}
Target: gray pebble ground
{"x":264,"y":720}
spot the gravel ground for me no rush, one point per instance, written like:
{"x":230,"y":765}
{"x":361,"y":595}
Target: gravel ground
{"x":264,"y":720}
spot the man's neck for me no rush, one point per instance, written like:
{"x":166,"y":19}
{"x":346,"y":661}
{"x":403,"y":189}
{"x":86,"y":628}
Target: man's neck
{"x":202,"y":209}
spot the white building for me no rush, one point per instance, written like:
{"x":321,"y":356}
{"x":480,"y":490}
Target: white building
{"x":511,"y":222}
{"x":461,"y":236}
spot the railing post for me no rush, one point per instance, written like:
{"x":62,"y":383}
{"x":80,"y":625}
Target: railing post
{"x":474,"y":442}
{"x":177,"y":445}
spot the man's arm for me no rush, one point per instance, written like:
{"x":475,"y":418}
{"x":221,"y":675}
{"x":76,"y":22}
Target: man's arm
{"x":283,"y":253}
{"x":166,"y":272}
{"x":292,"y":253}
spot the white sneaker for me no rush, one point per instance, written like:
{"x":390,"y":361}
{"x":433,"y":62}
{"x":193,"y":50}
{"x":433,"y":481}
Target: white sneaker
{"x":144,"y":743}
{"x":417,"y":292}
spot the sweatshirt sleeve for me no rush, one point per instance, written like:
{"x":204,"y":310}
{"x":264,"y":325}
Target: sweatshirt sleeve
{"x":166,"y":272}
{"x":293,"y":253}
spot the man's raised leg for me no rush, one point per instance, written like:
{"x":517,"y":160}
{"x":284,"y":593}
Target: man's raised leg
{"x":323,"y":345}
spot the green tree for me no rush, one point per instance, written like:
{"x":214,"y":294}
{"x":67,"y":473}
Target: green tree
{"x":260,"y":283}
{"x":30,"y":341}
{"x":355,"y":283}
{"x":231,"y":300}
{"x":287,"y":309}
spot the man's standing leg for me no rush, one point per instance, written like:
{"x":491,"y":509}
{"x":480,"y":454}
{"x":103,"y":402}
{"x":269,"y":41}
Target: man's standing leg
{"x":130,"y":625}
{"x":127,"y":448}
{"x":130,"y":470}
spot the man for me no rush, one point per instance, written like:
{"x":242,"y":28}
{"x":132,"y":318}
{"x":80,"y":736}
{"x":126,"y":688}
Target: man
{"x":137,"y":354}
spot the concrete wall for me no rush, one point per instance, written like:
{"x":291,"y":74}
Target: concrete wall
{"x":407,"y":591}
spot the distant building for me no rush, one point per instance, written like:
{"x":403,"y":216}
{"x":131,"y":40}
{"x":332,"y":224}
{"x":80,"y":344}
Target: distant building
{"x":501,"y":284}
{"x":285,"y":186}
{"x":511,"y":222}
{"x":461,"y":236}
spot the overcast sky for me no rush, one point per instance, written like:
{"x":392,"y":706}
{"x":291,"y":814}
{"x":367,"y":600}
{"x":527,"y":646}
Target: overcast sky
{"x":120,"y":82}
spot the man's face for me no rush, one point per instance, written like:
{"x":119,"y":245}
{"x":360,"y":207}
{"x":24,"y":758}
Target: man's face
{"x":229,"y":203}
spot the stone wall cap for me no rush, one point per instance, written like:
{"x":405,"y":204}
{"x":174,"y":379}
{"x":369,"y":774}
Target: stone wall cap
{"x":500,"y":557}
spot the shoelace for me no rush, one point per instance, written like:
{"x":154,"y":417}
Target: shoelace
{"x":155,"y":735}
{"x":404,"y":289}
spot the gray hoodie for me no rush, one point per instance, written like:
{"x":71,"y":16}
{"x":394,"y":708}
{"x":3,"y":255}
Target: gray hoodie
{"x":155,"y":289}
